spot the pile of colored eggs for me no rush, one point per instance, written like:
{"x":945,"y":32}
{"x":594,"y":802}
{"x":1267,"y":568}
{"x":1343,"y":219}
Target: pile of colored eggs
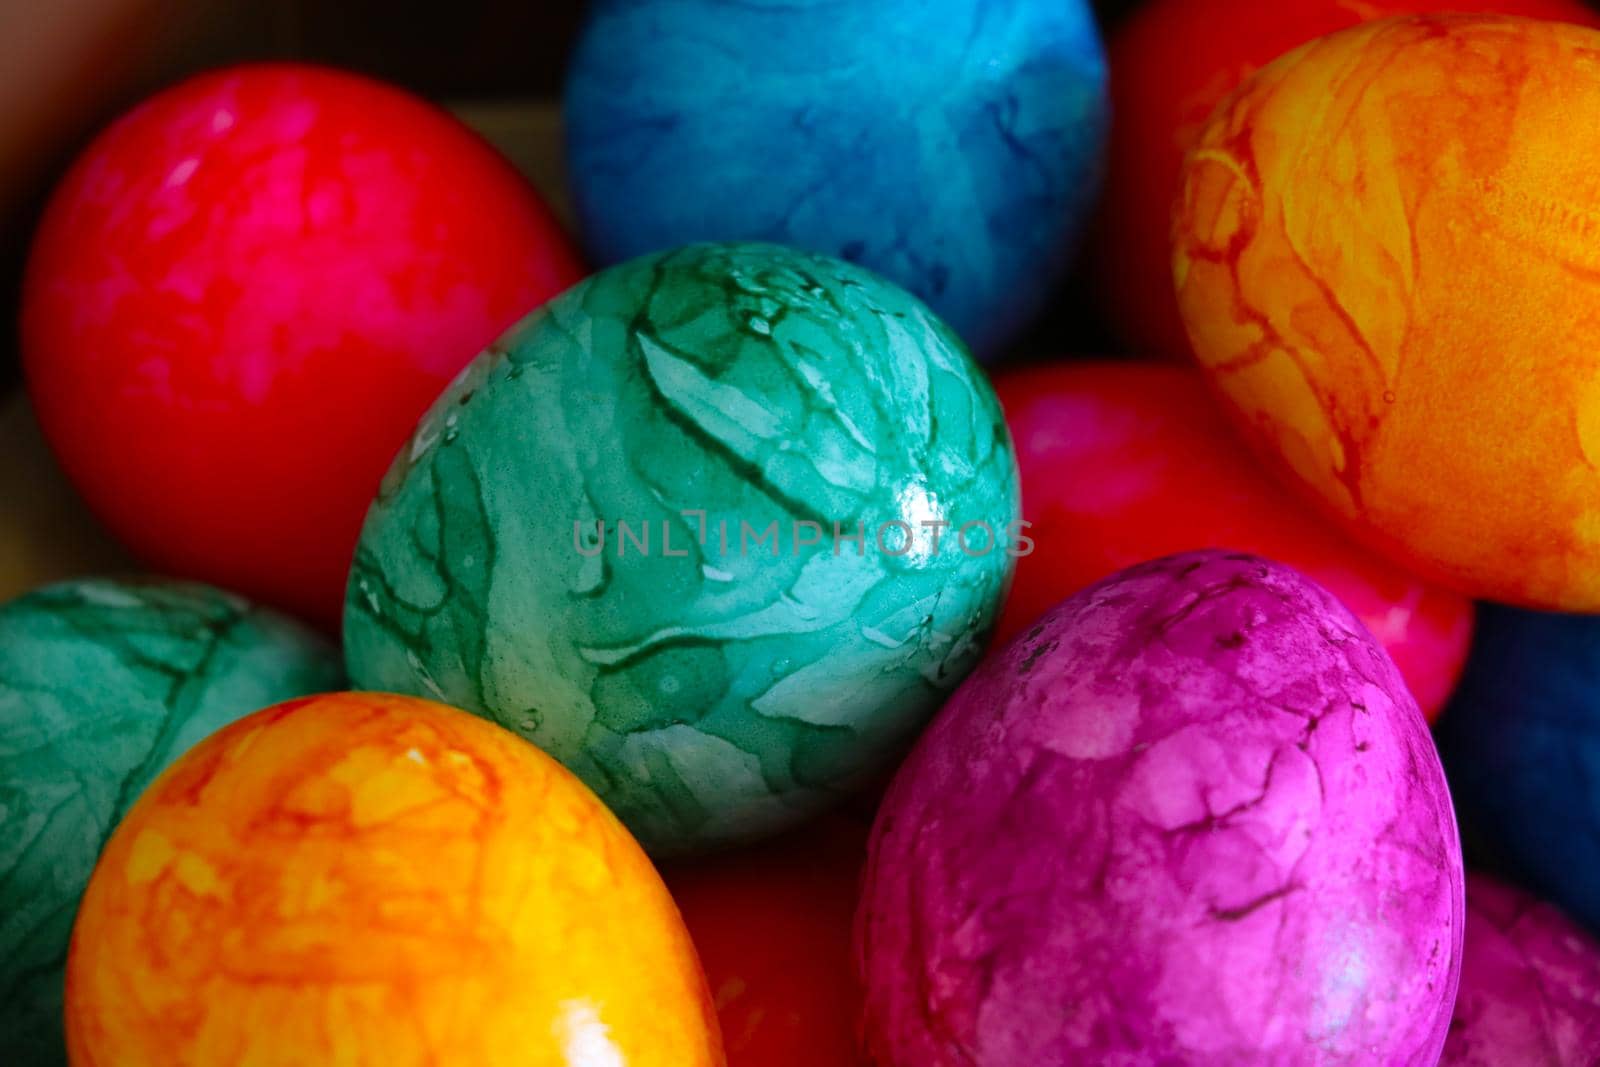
{"x":730,"y":549}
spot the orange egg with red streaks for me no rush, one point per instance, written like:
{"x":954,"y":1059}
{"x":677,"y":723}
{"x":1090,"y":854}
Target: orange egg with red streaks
{"x":364,"y":879}
{"x":1388,"y":259}
{"x":1172,"y":62}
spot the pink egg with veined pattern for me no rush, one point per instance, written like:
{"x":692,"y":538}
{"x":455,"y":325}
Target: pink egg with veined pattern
{"x":1530,"y":985}
{"x":1192,"y":816}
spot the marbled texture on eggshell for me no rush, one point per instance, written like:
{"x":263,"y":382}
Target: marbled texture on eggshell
{"x":1123,"y":461}
{"x":951,"y":145}
{"x":1386,"y":256}
{"x":102,"y":684}
{"x":1530,"y":985}
{"x":707,"y":695}
{"x":1192,"y":816}
{"x":1521,"y":744}
{"x":373,"y":880}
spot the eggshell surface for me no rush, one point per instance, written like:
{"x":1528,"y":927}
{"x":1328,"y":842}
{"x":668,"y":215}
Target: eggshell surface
{"x":245,"y":293}
{"x":1123,"y":462}
{"x":1385,"y":262}
{"x":103,"y":683}
{"x":1192,"y":816}
{"x":1530,"y":985}
{"x":731,"y":663}
{"x":772,"y":925}
{"x":1521,"y":743}
{"x":950,"y":145}
{"x":371,"y":879}
{"x":1172,"y":62}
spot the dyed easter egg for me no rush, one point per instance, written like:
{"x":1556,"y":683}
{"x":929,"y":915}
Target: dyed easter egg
{"x":1192,"y":816}
{"x":102,"y":684}
{"x":1530,"y":985}
{"x":1126,"y":462}
{"x":1172,"y":62}
{"x":1521,"y":741}
{"x":951,"y":146}
{"x":679,"y":529}
{"x":772,"y":926}
{"x":368,"y":879}
{"x":1385,"y":263}
{"x":245,"y":293}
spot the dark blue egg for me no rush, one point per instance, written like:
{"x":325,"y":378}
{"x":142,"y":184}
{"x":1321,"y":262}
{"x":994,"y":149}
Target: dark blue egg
{"x":1521,"y":744}
{"x":950,"y":145}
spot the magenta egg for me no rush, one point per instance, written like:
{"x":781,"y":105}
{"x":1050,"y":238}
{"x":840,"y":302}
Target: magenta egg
{"x":1530,"y":985}
{"x":1191,"y":816}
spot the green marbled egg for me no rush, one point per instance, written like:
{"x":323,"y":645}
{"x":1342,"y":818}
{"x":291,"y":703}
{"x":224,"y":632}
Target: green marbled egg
{"x":710,"y":689}
{"x":103,"y":683}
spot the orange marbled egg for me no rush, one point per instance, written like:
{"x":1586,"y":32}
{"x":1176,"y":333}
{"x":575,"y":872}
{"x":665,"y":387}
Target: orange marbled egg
{"x":1387,"y":254}
{"x":364,"y":879}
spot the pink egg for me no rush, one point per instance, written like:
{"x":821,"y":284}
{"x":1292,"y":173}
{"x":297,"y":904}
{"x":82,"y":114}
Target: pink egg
{"x":244,"y":295}
{"x":1530,"y":985}
{"x":1191,"y":816}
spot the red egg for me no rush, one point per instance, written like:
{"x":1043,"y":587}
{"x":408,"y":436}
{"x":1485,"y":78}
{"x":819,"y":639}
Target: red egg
{"x":772,"y":925}
{"x":1126,"y":462}
{"x":243,"y":296}
{"x":1172,"y":62}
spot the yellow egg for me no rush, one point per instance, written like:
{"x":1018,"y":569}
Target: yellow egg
{"x":1387,"y":254}
{"x":363,"y":879}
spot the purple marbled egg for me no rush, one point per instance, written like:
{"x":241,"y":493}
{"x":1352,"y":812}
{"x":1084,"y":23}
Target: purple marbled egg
{"x":1530,"y":985}
{"x":1192,"y":817}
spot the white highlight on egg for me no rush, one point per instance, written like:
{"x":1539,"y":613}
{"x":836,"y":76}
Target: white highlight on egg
{"x":585,"y":1040}
{"x":182,"y":172}
{"x":918,"y":506}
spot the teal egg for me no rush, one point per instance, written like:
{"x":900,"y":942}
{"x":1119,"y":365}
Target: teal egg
{"x":103,"y":683}
{"x":615,"y":534}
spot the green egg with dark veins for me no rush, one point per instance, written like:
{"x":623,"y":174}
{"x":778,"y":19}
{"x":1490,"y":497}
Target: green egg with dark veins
{"x":103,"y":683}
{"x":677,"y":528}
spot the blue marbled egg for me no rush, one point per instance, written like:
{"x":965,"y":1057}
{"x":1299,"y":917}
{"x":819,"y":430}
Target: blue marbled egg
{"x":950,"y":145}
{"x":1521,"y":744}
